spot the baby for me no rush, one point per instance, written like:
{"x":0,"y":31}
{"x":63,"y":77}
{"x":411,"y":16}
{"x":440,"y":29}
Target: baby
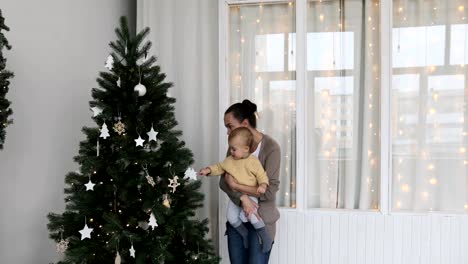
{"x":247,"y":170}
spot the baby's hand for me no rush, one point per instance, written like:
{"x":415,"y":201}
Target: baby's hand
{"x":204,"y":171}
{"x":261,"y":188}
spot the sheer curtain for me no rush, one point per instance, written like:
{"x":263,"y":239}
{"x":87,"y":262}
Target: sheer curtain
{"x":185,"y":41}
{"x":343,"y":58}
{"x":262,"y":69}
{"x":429,"y":106}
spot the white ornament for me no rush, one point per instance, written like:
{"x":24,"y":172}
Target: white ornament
{"x":118,"y":259}
{"x":139,"y":141}
{"x":141,"y":89}
{"x":96,"y":111}
{"x":118,"y":82}
{"x":152,"y":221}
{"x":109,"y":62}
{"x":132,"y":251}
{"x":190,"y":174}
{"x":152,"y":134}
{"x":104,"y":131}
{"x":90,"y":186}
{"x":62,"y":246}
{"x":150,"y":180}
{"x":86,"y":232}
{"x":173,"y":183}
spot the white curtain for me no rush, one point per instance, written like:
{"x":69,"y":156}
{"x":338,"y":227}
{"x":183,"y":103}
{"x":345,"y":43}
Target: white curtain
{"x":262,"y":69}
{"x":343,"y":73}
{"x":429,"y":106}
{"x":185,"y":41}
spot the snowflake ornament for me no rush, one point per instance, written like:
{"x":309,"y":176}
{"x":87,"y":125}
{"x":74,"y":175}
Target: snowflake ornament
{"x":62,"y":246}
{"x":119,"y":128}
{"x":190,"y":174}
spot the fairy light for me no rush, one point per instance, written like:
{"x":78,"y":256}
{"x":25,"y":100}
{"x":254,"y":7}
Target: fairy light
{"x":430,"y":167}
{"x":321,"y":17}
{"x":461,"y":8}
{"x":405,"y":188}
{"x":398,"y":204}
{"x":424,"y":195}
{"x":462,"y":150}
{"x":433,"y":181}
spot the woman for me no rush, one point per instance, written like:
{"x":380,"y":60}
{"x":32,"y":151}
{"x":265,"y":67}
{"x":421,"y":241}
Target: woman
{"x":268,"y":152}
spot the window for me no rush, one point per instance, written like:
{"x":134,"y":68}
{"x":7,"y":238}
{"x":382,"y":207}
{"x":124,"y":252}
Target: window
{"x":323,"y":98}
{"x":261,"y":69}
{"x":428,"y":107}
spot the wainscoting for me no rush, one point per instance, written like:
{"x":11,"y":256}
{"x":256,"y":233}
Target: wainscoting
{"x":349,"y":237}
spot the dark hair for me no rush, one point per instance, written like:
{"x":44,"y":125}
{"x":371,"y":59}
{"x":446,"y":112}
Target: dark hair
{"x":244,"y":110}
{"x":244,"y":134}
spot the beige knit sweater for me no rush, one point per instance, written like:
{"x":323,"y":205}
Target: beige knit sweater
{"x":246,"y":171}
{"x":270,"y":158}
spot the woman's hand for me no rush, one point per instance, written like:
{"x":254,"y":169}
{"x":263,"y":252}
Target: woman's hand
{"x":249,"y":207}
{"x":231,"y":181}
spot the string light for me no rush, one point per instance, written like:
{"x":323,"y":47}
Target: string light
{"x":405,"y":188}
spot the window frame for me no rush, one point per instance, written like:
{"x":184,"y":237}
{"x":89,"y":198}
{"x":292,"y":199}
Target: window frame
{"x":386,"y":73}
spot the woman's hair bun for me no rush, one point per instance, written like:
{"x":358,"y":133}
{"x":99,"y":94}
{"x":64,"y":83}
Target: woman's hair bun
{"x":250,"y":106}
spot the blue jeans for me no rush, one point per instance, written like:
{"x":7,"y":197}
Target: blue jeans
{"x":240,"y":255}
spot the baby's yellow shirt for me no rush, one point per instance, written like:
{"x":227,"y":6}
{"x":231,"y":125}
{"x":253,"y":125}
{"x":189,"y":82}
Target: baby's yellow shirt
{"x":248,"y":171}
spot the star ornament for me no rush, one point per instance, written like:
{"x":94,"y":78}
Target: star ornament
{"x":90,"y":186}
{"x":152,"y":221}
{"x":96,"y":111}
{"x":139,"y":141}
{"x":132,"y":251}
{"x":152,"y":134}
{"x":86,"y":232}
{"x":173,"y":183}
{"x":190,"y":174}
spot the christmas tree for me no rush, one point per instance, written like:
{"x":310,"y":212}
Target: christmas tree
{"x":5,"y":110}
{"x":134,"y":198}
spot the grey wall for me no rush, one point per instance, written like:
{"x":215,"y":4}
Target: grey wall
{"x":59,"y":48}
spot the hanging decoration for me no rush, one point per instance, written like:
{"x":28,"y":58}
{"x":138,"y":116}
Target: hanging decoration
{"x":152,"y":221}
{"x":109,"y":62}
{"x":86,"y":231}
{"x":62,"y":245}
{"x":152,"y":134}
{"x":119,"y":127}
{"x":173,"y":183}
{"x":166,"y":202}
{"x":104,"y":131}
{"x":190,"y":174}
